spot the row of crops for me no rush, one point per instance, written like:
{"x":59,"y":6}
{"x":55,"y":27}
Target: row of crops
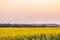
{"x":33,"y":37}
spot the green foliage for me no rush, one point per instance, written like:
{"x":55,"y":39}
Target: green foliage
{"x":33,"y":37}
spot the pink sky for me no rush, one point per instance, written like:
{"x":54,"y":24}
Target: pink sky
{"x":29,"y":11}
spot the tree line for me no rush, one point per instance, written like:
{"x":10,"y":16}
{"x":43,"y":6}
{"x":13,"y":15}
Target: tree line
{"x":29,"y":25}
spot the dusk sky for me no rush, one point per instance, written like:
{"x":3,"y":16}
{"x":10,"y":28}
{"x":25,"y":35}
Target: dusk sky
{"x":30,"y":11}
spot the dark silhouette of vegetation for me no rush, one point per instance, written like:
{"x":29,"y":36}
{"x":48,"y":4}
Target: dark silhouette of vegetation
{"x":29,"y":25}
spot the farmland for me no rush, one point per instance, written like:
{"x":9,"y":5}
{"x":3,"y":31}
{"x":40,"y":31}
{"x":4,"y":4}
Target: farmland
{"x":44,"y":33}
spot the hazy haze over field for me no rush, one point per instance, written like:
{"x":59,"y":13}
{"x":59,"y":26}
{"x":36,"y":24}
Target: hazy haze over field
{"x":29,"y":11}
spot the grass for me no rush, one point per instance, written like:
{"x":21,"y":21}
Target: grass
{"x":48,"y":33}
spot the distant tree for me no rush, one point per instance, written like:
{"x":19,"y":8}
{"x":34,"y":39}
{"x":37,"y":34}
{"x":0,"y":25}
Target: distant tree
{"x":44,"y":25}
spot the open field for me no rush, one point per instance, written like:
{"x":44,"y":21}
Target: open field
{"x":29,"y":32}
